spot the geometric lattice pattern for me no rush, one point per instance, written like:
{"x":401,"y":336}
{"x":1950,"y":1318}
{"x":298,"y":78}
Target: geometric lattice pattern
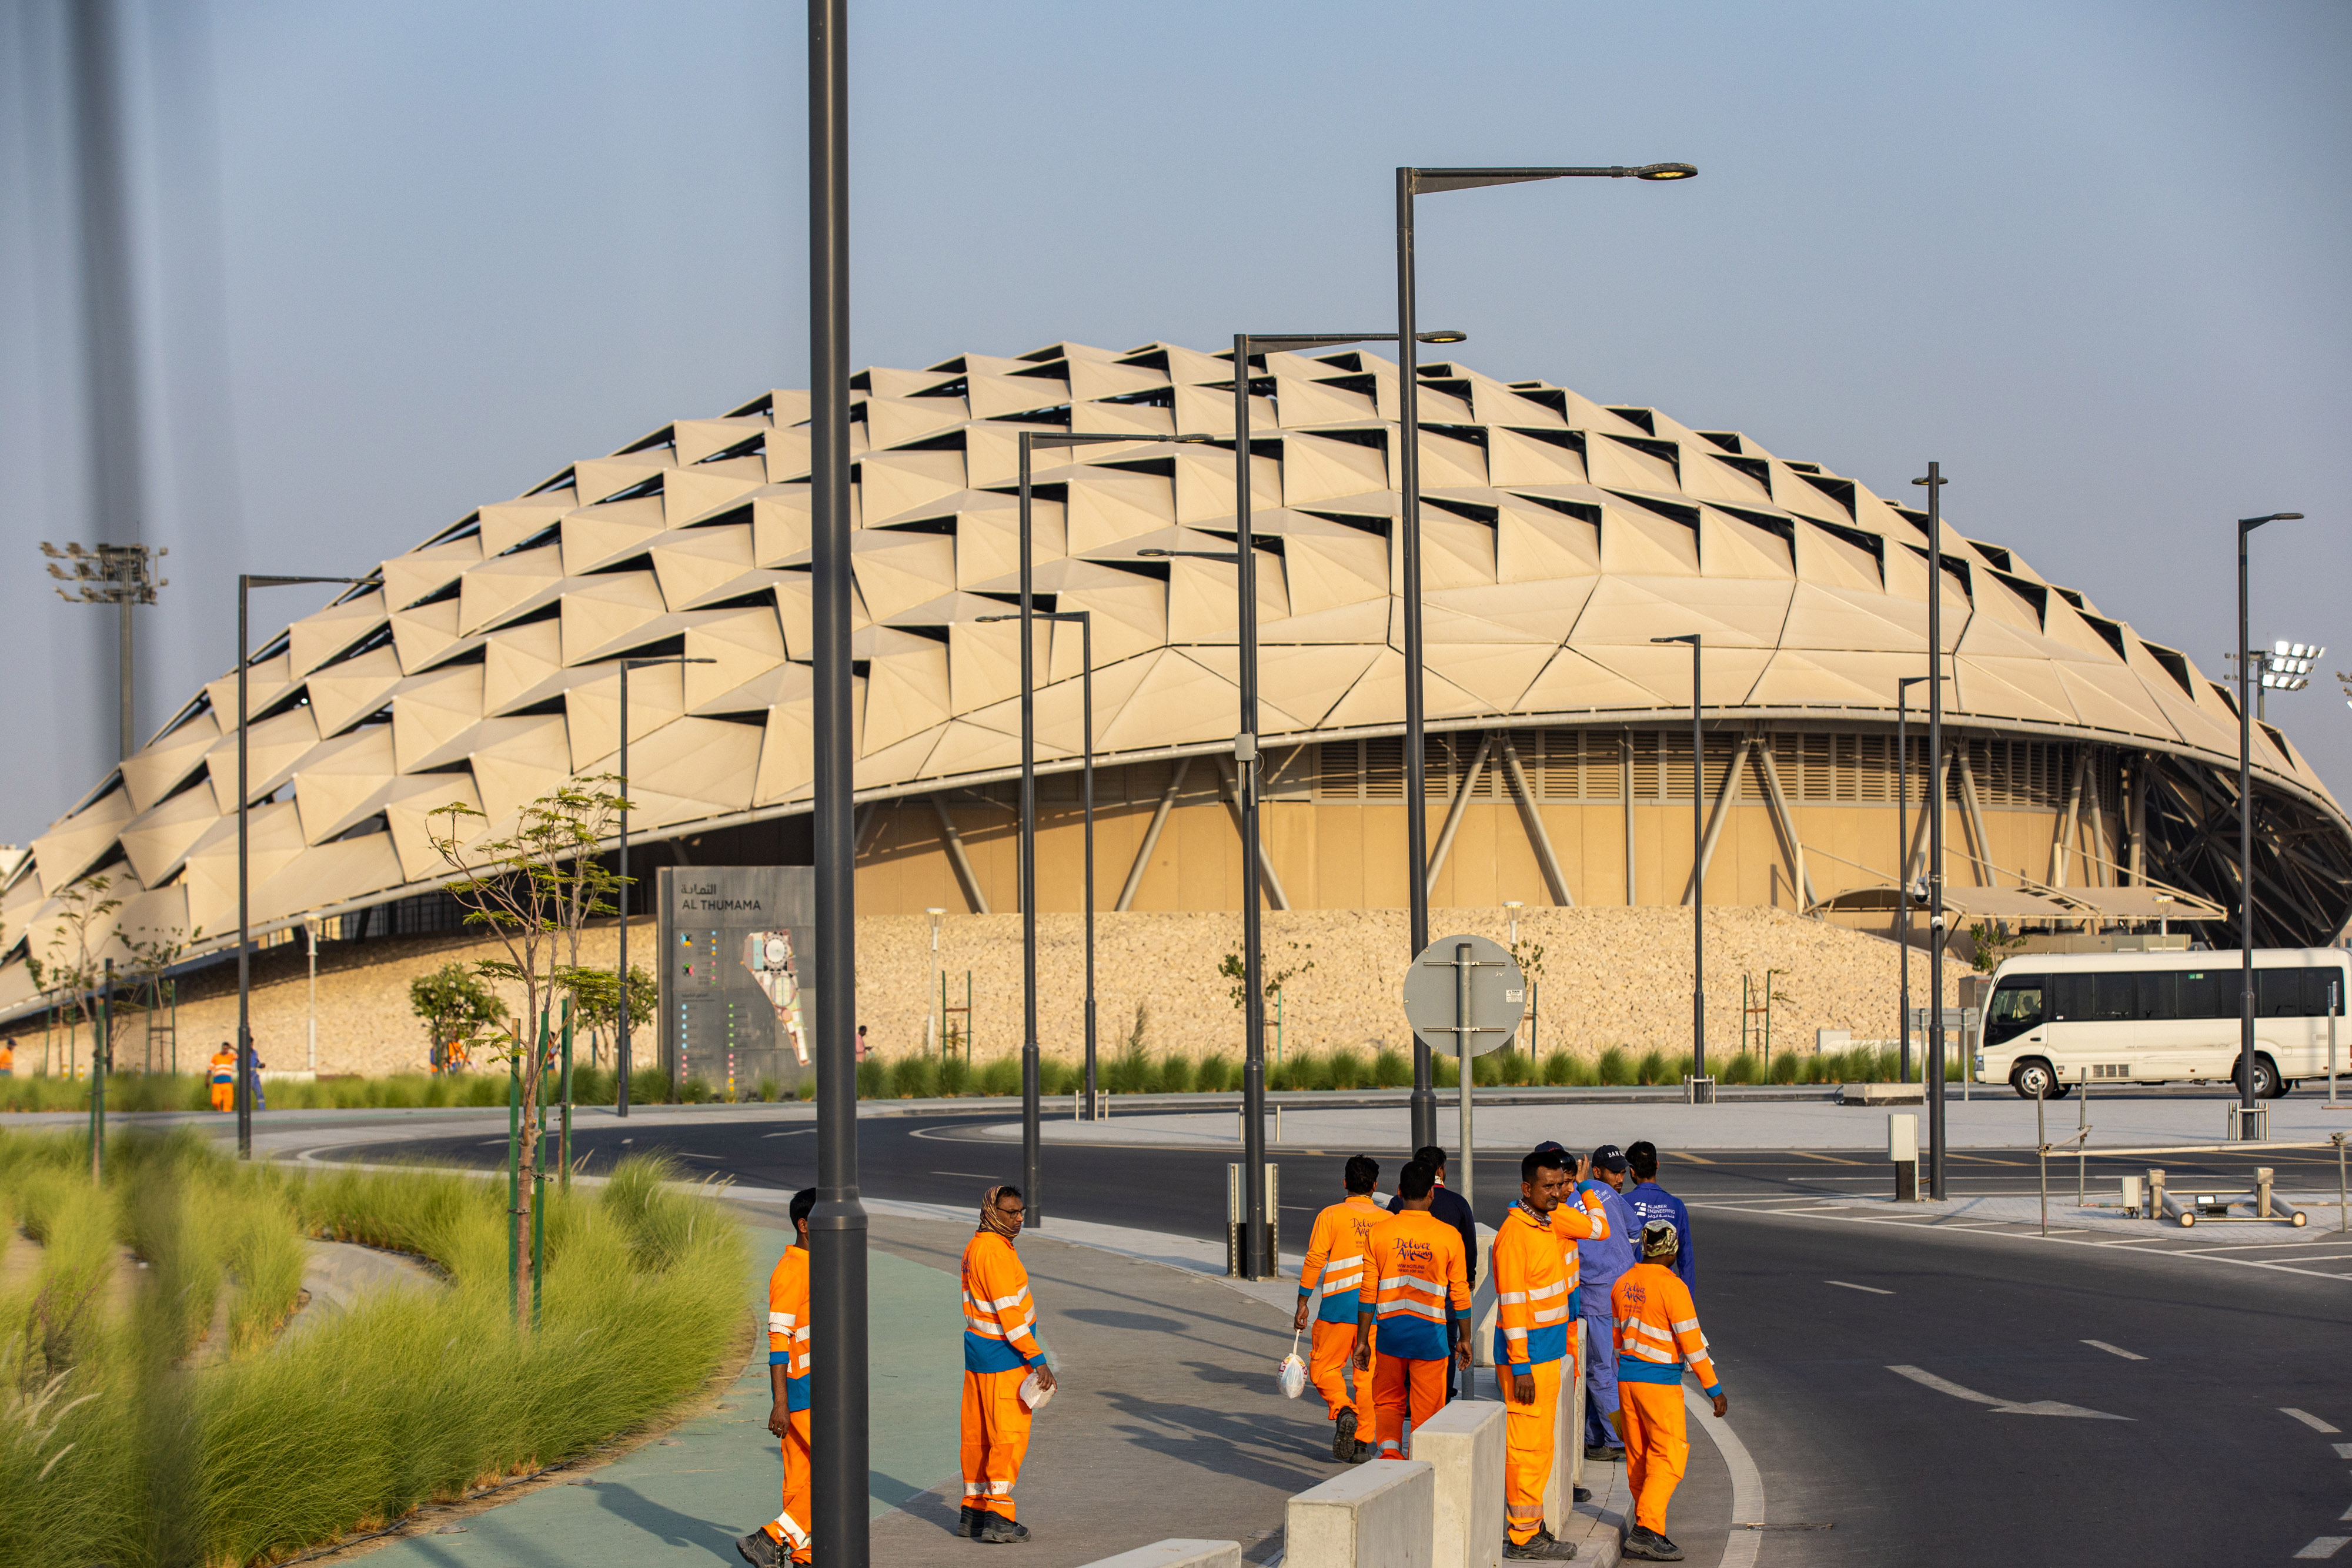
{"x":1558,"y":537}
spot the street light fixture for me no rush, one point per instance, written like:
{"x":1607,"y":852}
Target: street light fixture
{"x":621,"y":1029}
{"x":120,"y":575}
{"x":246,"y":583}
{"x":1697,"y":884}
{"x":1410,"y":183}
{"x":2245,"y":1120}
{"x":1903,"y":857}
{"x":1085,"y":623}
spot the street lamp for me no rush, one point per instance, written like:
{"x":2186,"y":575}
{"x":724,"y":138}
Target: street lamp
{"x":1031,"y":1185}
{"x":246,"y":583}
{"x":1698,"y":885}
{"x":1085,"y":623}
{"x":621,"y":1028}
{"x":2245,"y":1119}
{"x":1258,"y":1261}
{"x":1410,"y":183}
{"x":1903,"y":856}
{"x":1934,"y":483}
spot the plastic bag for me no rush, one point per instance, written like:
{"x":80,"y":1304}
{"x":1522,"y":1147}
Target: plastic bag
{"x":1035,"y":1395}
{"x":1291,"y":1378}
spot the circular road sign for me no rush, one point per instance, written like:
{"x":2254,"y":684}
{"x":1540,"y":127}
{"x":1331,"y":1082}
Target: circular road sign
{"x":1433,"y":998}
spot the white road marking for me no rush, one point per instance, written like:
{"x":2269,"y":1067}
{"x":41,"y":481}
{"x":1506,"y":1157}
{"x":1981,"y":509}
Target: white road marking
{"x":2113,"y":1349}
{"x":795,"y":1133}
{"x":974,"y":1175}
{"x":2344,"y":1450}
{"x":1926,"y":1379}
{"x":2325,"y":1547}
{"x":2308,"y":1419}
{"x":1870,"y":1290}
{"x":1739,"y":1549}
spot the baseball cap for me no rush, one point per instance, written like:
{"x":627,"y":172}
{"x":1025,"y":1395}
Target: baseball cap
{"x":1609,"y":1156}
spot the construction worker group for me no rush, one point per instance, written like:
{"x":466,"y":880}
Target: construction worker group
{"x":1386,"y":1289}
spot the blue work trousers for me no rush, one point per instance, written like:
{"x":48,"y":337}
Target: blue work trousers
{"x":1600,"y":1368}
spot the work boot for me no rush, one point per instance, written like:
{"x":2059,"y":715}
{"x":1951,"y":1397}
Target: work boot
{"x":1649,"y":1546}
{"x":968,"y":1521}
{"x":757,"y":1549}
{"x":1602,"y":1451}
{"x":1583,"y":1494}
{"x":1343,"y":1436}
{"x":998,"y":1530}
{"x":1543,"y":1547}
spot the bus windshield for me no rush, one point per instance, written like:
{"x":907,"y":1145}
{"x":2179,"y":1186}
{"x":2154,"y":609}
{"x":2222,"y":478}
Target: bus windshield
{"x":2016,"y":1009}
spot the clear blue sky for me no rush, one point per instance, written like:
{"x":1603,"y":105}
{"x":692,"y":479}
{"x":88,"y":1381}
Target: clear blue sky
{"x":401,"y":260}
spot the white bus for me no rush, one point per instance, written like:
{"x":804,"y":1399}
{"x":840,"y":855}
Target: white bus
{"x":2057,"y":1019}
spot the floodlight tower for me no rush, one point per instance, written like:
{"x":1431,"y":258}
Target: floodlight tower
{"x":122,"y":576}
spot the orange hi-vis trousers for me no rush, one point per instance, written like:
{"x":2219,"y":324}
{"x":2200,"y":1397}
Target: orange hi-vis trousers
{"x":1529,"y":1438}
{"x":1402,"y":1388}
{"x":790,"y":1527}
{"x":1327,"y":1362}
{"x":995,"y":1438}
{"x":1649,"y":1415}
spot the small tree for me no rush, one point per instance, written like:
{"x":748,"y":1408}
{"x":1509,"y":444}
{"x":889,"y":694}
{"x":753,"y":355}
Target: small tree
{"x":456,"y":1005}
{"x":152,"y":951}
{"x":1529,"y":956}
{"x":73,"y":970}
{"x":596,"y":998}
{"x":1993,"y":941}
{"x":532,"y":889}
{"x":1234,"y":969}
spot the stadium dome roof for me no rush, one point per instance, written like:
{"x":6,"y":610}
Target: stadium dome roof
{"x":1560,"y":537}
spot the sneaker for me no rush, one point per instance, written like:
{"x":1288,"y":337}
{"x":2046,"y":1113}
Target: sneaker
{"x":998,"y":1530}
{"x":1541,"y":1549}
{"x":757,"y":1549}
{"x":1343,"y":1436}
{"x":1602,"y":1451}
{"x":1649,"y":1546}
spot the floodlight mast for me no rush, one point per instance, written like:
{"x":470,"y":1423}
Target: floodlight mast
{"x":122,"y":576}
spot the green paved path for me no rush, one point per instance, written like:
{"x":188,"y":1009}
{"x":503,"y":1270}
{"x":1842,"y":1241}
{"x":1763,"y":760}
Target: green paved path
{"x":683,"y":1498}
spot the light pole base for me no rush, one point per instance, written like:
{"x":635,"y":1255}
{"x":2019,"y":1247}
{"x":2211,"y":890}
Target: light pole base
{"x":1698,"y":1090}
{"x":2250,"y":1123}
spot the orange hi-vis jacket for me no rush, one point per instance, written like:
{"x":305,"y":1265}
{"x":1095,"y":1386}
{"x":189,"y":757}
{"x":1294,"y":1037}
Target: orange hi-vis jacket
{"x":998,"y":1320}
{"x":1334,"y":1256}
{"x":787,"y":1324}
{"x":1657,"y":1328}
{"x":1531,"y":1272}
{"x":1416,"y":1266}
{"x":224,"y":1068}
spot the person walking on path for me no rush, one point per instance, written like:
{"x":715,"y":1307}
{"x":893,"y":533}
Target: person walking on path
{"x":1001,"y":1353}
{"x":1650,"y":1201}
{"x":1416,"y":1265}
{"x":1604,"y":1258}
{"x":785,"y":1538}
{"x":1657,"y":1333}
{"x":1532,"y":1352}
{"x":1452,"y":1208}
{"x":222,"y":1075}
{"x":1335,"y":1262}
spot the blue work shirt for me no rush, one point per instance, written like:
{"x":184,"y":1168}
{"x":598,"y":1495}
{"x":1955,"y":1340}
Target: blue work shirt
{"x":1602,"y":1259}
{"x":1650,"y":1201}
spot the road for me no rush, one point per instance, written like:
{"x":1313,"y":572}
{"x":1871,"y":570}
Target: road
{"x":2199,"y":1362}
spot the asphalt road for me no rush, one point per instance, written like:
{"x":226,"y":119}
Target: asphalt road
{"x":2201,"y":1464}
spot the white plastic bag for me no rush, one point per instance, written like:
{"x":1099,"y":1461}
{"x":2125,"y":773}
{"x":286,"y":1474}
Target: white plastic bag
{"x":1292,"y":1376}
{"x":1035,"y":1395}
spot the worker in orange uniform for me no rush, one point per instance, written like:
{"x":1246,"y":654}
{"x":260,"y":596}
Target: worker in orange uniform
{"x":1000,"y":1353}
{"x":1534,"y":1272}
{"x":1335,"y":1262}
{"x":1657,"y":1331}
{"x":785,"y":1538}
{"x":223,"y":1075}
{"x":1421,"y":1310}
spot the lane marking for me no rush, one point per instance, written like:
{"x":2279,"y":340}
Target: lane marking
{"x":1826,"y":1159}
{"x":973,"y":1176}
{"x":1740,"y":1547}
{"x":2308,"y":1419}
{"x":1868,"y":1290}
{"x":2344,"y":1450}
{"x":2113,"y":1349}
{"x":795,"y":1133}
{"x":1926,"y":1379}
{"x":2325,"y":1547}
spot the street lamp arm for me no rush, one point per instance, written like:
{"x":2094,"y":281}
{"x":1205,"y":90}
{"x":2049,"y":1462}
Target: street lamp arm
{"x":665,"y":659}
{"x":1423,"y":181}
{"x":253,"y":580}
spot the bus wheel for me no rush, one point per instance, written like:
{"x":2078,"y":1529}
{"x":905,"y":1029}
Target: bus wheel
{"x":2034,"y":1079}
{"x":2266,"y":1078}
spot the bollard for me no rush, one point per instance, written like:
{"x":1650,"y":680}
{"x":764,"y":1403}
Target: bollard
{"x":2155,"y":1192}
{"x":1903,"y":1148}
{"x":1178,"y":1554}
{"x":1238,"y":1216}
{"x":1382,"y":1513}
{"x":2263,"y":1176}
{"x":1464,"y":1442}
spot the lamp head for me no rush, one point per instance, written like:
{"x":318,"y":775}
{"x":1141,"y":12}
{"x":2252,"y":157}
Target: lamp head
{"x":2248,"y":525}
{"x":1690,"y":637}
{"x":1156,"y":554}
{"x":1441,"y":337}
{"x":1666,"y":172}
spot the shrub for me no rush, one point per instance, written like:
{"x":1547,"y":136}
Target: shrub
{"x":1347,"y":1068}
{"x":1741,"y":1069}
{"x":695,"y":1091}
{"x":1444,"y":1073}
{"x":1784,"y":1067}
{"x":1683,"y":1068}
{"x":1215,"y":1075}
{"x":1615,"y":1066}
{"x":806,"y":1088}
{"x":1391,"y":1069}
{"x":1001,"y":1076}
{"x":1558,"y":1068}
{"x":1128,"y":1072}
{"x":915,"y":1077}
{"x":1176,"y":1075}
{"x":1652,"y":1068}
{"x":955,"y":1076}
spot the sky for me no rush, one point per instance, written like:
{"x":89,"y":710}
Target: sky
{"x":395,"y":260}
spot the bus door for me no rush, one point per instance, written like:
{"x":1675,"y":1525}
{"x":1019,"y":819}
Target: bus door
{"x":2095,"y":1030}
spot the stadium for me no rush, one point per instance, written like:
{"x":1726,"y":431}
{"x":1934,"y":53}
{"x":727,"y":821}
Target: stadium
{"x":2090,"y":788}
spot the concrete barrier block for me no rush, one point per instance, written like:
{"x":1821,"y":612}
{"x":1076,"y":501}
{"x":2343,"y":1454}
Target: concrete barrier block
{"x":1177,"y":1554}
{"x":1463,"y":1443}
{"x":1568,"y":1442}
{"x":1380,"y":1514}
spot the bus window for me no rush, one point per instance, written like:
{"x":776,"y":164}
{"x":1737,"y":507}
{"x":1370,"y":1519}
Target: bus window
{"x":2115,"y":998}
{"x":2016,"y":1009}
{"x":2291,"y":993}
{"x":2073,"y":997}
{"x":2208,"y":993}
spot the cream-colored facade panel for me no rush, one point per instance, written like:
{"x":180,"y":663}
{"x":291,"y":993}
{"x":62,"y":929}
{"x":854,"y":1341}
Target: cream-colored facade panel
{"x":500,"y":590}
{"x":1731,"y":548}
{"x":1108,"y":505}
{"x":896,"y":484}
{"x":692,"y":496}
{"x":343,"y":693}
{"x":157,"y":842}
{"x":425,"y":572}
{"x":596,"y":537}
{"x":430,"y":712}
{"x":506,"y":524}
{"x":1317,"y":468}
{"x":1636,"y":542}
{"x":315,"y":639}
{"x":273,"y":746}
{"x":265,"y":681}
{"x":165,"y":763}
{"x":1514,"y":458}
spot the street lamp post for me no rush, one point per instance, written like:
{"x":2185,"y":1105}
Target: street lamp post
{"x":2245,"y":1119}
{"x":1258,"y":1261}
{"x":1934,"y":483}
{"x":1698,"y":876}
{"x":1903,"y":858}
{"x":1085,"y":624}
{"x":246,"y":582}
{"x":621,"y":1028}
{"x":1411,"y":183}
